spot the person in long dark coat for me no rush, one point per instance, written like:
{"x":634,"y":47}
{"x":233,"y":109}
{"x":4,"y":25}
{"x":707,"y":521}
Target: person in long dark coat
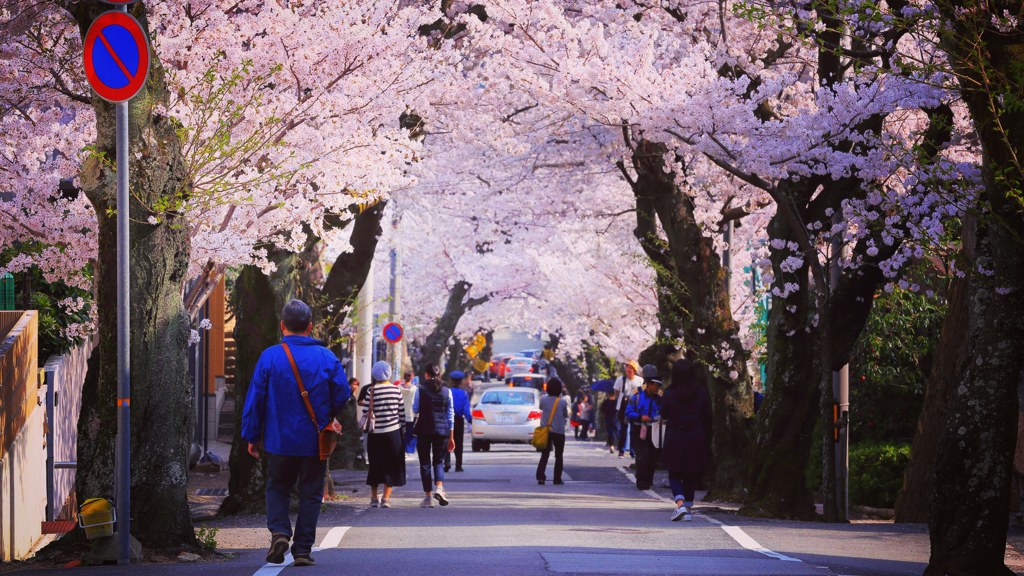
{"x":686,"y":451}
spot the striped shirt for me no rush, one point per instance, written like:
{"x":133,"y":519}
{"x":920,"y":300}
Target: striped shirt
{"x":388,"y":408}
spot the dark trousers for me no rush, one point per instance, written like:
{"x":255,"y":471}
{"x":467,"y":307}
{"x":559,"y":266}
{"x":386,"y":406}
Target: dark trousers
{"x":460,"y":431}
{"x":624,"y":438}
{"x":611,"y":424}
{"x":684,"y":486}
{"x":410,"y":438}
{"x":646,"y":459}
{"x":306,"y":475}
{"x":585,"y":430}
{"x":558,"y":442}
{"x":432,"y":450}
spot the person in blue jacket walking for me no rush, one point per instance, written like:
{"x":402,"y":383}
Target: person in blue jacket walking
{"x":275,"y":418}
{"x":463,"y":415}
{"x":643,"y":409}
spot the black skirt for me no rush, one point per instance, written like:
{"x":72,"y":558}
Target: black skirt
{"x":387,"y":459}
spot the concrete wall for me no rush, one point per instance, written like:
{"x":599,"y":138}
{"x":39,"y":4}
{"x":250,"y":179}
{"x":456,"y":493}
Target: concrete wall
{"x":22,"y":444}
{"x":65,"y":376}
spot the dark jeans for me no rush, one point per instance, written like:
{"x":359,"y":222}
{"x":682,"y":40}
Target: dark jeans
{"x":646,"y":459}
{"x":410,"y":438}
{"x":625,"y":440}
{"x":460,"y":431}
{"x":558,"y":441}
{"x":439,"y":446}
{"x":683,"y":487}
{"x":611,"y":424}
{"x":306,"y":475}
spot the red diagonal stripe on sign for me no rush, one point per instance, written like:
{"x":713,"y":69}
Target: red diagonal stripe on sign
{"x":113,"y":54}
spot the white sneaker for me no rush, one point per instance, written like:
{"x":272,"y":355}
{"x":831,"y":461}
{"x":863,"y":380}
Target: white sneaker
{"x":441,"y":496}
{"x":385,"y":503}
{"x":428,"y":502}
{"x":375,"y":502}
{"x":681,"y":513}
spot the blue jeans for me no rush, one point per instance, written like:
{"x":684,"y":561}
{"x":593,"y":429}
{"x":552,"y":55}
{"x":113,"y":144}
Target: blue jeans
{"x":306,"y":474}
{"x":684,"y":486}
{"x":410,"y":438}
{"x":432,"y":450}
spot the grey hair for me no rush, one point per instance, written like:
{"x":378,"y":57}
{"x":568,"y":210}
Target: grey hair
{"x":296,"y":316}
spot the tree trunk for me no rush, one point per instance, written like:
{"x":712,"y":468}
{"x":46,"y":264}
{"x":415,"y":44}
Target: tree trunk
{"x":458,"y":304}
{"x":694,"y":305}
{"x":348,"y":273}
{"x":162,"y":412}
{"x":257,"y":300}
{"x":914,"y":499}
{"x":777,"y":485}
{"x":970,"y":500}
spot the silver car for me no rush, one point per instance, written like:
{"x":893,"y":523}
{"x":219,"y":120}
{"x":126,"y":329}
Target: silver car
{"x":505,"y":415}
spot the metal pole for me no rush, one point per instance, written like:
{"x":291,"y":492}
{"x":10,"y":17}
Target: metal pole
{"x":727,"y":257}
{"x":123,"y":460}
{"x":394,"y":307}
{"x":364,"y":331}
{"x":841,"y":394}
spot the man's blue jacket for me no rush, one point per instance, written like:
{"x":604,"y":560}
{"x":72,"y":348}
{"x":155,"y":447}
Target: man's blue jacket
{"x":643,"y":405}
{"x":274,"y":412}
{"x":460,"y":404}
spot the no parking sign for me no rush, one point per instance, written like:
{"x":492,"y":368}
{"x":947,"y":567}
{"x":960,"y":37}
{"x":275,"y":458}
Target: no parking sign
{"x":116,"y":56}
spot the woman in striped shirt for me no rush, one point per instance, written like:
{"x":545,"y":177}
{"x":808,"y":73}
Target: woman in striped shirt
{"x":384,"y":444}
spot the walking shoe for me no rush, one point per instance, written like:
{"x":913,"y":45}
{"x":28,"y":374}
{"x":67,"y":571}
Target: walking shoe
{"x":428,"y":502}
{"x":459,"y":469}
{"x":679,"y":513}
{"x":441,"y":497}
{"x":374,"y":502}
{"x":304,"y":561}
{"x":278,"y":548}
{"x":385,"y":503}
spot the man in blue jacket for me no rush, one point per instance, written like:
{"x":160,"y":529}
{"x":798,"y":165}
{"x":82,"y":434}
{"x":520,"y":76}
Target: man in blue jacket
{"x":460,"y":402}
{"x":643,"y":409}
{"x":275,"y":418}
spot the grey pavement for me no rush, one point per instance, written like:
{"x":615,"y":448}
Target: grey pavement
{"x":502,"y":522}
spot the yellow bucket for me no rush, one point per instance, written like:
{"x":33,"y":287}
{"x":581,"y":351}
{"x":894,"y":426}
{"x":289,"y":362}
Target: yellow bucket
{"x":97,"y":516}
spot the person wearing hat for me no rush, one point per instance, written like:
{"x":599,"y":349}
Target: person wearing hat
{"x":624,"y":389}
{"x":463,"y":414}
{"x":643,"y":409}
{"x":384,"y":445}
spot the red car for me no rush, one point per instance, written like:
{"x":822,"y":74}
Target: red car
{"x":499,"y":366}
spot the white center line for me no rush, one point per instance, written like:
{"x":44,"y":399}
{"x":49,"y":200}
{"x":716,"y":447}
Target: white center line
{"x":331,"y":540}
{"x":737,"y":533}
{"x":749,"y":543}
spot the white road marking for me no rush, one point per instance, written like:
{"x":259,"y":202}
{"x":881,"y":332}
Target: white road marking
{"x":749,"y":543}
{"x":333,"y":537}
{"x":331,"y":540}
{"x":737,"y":533}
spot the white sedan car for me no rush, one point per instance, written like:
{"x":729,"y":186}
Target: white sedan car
{"x":506,"y":415}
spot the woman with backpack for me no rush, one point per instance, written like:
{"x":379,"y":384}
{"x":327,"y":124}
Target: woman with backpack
{"x":434,"y":427}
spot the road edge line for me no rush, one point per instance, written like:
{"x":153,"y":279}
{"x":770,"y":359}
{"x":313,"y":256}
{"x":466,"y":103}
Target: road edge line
{"x":333,"y":538}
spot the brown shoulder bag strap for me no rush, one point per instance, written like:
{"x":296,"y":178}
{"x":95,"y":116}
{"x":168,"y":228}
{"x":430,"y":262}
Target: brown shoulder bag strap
{"x":305,"y":395}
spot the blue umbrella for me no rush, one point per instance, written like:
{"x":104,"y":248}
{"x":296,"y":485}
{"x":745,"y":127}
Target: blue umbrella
{"x":603,"y":385}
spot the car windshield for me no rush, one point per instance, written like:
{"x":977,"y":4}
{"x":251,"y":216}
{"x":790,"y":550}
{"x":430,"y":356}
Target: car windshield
{"x":507,"y":398}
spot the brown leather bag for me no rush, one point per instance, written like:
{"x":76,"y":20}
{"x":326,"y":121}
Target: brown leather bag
{"x":328,"y":436}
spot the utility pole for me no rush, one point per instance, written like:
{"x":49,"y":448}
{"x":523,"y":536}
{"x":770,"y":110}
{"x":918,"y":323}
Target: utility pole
{"x":841,"y":393}
{"x":395,"y":349}
{"x":364,"y":331}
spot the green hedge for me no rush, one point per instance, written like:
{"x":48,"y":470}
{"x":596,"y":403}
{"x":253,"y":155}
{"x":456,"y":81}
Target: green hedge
{"x":876,"y":473}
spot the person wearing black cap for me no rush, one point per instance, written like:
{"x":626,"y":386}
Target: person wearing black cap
{"x":643,"y":409}
{"x":463,"y":414}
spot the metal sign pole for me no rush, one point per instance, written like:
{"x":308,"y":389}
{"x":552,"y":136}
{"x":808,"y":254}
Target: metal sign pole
{"x":123,"y":459}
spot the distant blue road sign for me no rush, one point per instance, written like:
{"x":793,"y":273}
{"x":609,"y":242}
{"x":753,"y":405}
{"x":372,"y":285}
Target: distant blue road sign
{"x":393,"y":332}
{"x":116,"y":56}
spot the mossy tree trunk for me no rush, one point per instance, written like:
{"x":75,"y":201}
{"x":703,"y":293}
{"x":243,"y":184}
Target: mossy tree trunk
{"x":970,"y":500}
{"x":162,"y":404}
{"x":694,"y":306}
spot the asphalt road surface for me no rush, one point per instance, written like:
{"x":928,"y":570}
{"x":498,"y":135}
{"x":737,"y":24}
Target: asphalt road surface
{"x":501,"y":522}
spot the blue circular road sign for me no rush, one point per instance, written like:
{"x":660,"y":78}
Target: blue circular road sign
{"x":116,"y":56}
{"x":393,"y":332}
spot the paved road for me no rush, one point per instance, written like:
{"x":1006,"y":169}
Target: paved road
{"x":501,"y":522}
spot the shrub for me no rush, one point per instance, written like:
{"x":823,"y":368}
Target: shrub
{"x":876,"y":473}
